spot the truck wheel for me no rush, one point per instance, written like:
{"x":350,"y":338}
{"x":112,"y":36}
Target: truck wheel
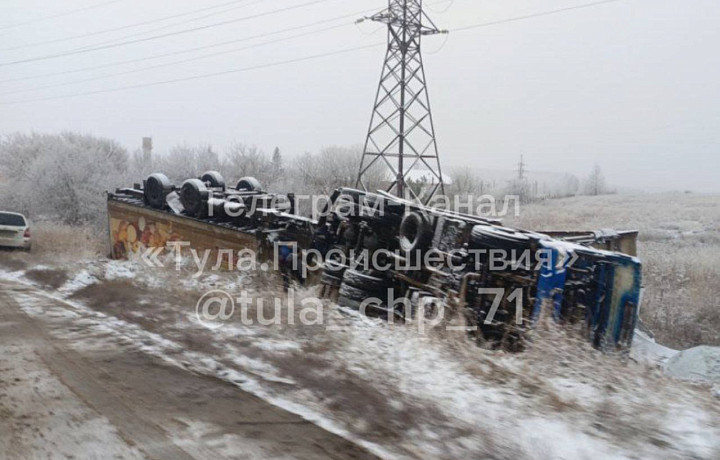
{"x":157,"y":188}
{"x":415,"y":232}
{"x":512,"y":243}
{"x":485,"y":236}
{"x":214,"y":179}
{"x":249,"y":184}
{"x":193,"y":196}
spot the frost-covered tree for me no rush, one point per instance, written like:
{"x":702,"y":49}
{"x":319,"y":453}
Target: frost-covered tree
{"x":207,"y":159}
{"x":244,"y":160}
{"x":334,"y":167}
{"x":595,"y":183}
{"x":465,"y":188}
{"x":325,"y":171}
{"x":567,"y":186}
{"x":521,"y":188}
{"x":185,"y":161}
{"x":465,"y":182}
{"x":60,"y":176}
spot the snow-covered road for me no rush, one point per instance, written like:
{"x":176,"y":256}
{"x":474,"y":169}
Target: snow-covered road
{"x":71,"y":388}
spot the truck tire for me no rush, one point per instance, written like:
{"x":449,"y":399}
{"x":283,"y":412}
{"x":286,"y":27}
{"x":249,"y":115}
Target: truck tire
{"x":157,"y":188}
{"x":194,"y":196}
{"x":214,"y":179}
{"x":415,"y":232}
{"x":249,"y":184}
{"x":485,"y":236}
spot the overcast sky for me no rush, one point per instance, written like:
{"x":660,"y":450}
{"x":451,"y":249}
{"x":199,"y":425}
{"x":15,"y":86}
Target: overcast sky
{"x":632,"y":85}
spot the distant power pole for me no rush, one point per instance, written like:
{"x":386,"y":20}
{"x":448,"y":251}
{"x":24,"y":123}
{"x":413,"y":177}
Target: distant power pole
{"x":521,"y":168}
{"x":402,"y":135}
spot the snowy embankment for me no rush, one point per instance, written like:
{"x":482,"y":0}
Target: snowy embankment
{"x":700,"y":363}
{"x":397,"y":392}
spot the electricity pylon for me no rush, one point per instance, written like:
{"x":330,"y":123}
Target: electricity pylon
{"x":401,"y":134}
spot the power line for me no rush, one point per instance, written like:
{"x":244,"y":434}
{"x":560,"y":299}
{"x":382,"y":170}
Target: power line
{"x":155,"y":37}
{"x":59,"y":15}
{"x":189,"y":50}
{"x":167,"y":64}
{"x":128,"y":26}
{"x":535,"y":15}
{"x":444,"y":10}
{"x":170,"y":26}
{"x":469,"y":27}
{"x":203,"y":76}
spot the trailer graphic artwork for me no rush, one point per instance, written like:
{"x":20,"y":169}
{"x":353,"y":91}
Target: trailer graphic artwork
{"x":133,"y":237}
{"x":135,"y":229}
{"x":419,"y":254}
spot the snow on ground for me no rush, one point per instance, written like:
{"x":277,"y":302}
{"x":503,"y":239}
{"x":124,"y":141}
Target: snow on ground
{"x":699,"y":363}
{"x":395,"y":391}
{"x":43,"y":414}
{"x":645,"y":349}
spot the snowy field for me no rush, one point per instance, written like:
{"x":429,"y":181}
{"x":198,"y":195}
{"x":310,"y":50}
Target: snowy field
{"x":679,"y":246}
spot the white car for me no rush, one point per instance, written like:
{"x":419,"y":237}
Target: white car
{"x":14,"y":231}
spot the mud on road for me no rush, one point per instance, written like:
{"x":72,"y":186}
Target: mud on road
{"x":61,"y":401}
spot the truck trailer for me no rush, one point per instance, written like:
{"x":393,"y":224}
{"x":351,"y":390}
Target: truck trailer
{"x":394,"y":258}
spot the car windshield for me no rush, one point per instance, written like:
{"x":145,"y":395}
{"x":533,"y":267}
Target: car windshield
{"x":14,"y":220}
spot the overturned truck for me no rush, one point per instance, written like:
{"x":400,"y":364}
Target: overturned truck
{"x":398,"y":259}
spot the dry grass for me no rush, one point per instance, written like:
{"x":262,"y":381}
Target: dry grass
{"x":52,"y":240}
{"x":679,"y":246}
{"x":55,"y":244}
{"x":609,"y":395}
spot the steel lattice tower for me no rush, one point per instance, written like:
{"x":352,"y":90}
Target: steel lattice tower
{"x":401,"y":133}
